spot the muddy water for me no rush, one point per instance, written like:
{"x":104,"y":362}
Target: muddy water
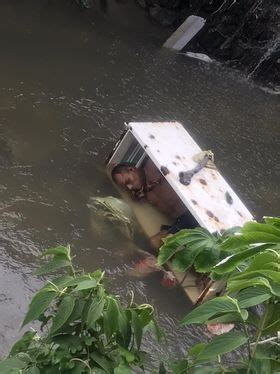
{"x":68,"y":82}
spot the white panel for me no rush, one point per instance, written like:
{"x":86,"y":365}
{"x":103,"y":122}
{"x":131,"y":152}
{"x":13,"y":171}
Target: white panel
{"x":169,"y":145}
{"x":180,"y":38}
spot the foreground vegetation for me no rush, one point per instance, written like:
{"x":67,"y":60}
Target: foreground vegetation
{"x":84,"y":329}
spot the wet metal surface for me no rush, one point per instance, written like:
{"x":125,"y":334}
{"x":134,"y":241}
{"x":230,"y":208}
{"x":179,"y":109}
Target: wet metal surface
{"x":68,"y":82}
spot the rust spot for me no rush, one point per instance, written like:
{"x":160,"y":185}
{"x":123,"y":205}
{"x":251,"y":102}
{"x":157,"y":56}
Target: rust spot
{"x":145,"y":146}
{"x":210,"y":214}
{"x":203,"y":181}
{"x":229,"y":199}
{"x":174,"y":163}
{"x":178,"y":157}
{"x":194,"y":202}
{"x":214,"y":176}
{"x":241,"y":215}
{"x":216,"y":219}
{"x":164,"y":170}
{"x":152,"y":136}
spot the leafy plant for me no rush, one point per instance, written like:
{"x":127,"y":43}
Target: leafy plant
{"x":84,"y":329}
{"x":253,"y":279}
{"x":196,"y":247}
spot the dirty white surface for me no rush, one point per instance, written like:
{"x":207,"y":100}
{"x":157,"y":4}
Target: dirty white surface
{"x":169,"y":145}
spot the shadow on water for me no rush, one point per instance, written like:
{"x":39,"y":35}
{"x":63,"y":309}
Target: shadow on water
{"x":69,"y":80}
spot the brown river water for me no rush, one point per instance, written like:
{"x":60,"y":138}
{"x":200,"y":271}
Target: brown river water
{"x":69,"y":80}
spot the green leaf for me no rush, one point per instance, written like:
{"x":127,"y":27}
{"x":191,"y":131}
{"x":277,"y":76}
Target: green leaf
{"x":95,"y":311}
{"x":209,"y":309}
{"x":272,"y":321}
{"x":165,"y":253}
{"x":194,"y":241}
{"x":58,"y":262}
{"x":231,"y":262}
{"x":206,"y":260}
{"x":235,"y":286}
{"x":227,"y":318}
{"x":252,"y":296}
{"x":180,"y":367}
{"x":275,"y":221}
{"x":123,"y":368}
{"x":63,"y":313}
{"x":261,"y":259}
{"x":260,"y":366}
{"x":136,"y":325}
{"x":124,"y":327}
{"x":237,"y":242}
{"x":39,"y":304}
{"x":85,"y":285}
{"x":269,"y":274}
{"x":77,"y":311}
{"x":111,"y":317}
{"x":196,"y":349}
{"x":60,"y":251}
{"x":103,"y":362}
{"x":23,"y":343}
{"x":183,"y":260}
{"x":223,"y":344}
{"x":265,"y":228}
{"x":11,"y":365}
{"x":146,"y":314}
{"x":130,"y":357}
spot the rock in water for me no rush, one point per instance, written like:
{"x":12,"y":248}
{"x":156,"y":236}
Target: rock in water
{"x":115,"y":211}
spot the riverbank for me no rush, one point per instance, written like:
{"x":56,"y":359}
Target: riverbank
{"x":243,"y":35}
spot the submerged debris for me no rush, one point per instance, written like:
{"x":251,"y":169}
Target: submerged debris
{"x":115,"y":211}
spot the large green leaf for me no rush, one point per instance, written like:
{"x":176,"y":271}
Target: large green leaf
{"x":237,"y":285}
{"x":260,"y":366}
{"x":183,"y":260}
{"x":60,"y":251}
{"x":123,"y":368}
{"x":275,"y":221}
{"x":136,"y":325}
{"x":165,"y":253}
{"x":39,"y":304}
{"x":238,"y":242}
{"x":207,"y":259}
{"x":272,"y":320}
{"x":104,"y":362}
{"x":146,"y":314}
{"x":222,"y":344}
{"x":11,"y":365}
{"x":77,"y":311}
{"x":209,"y":309}
{"x":252,"y":296}
{"x":268,"y":274}
{"x":263,"y":258}
{"x":95,"y":311}
{"x":231,"y":262}
{"x":265,"y":228}
{"x":194,"y":241}
{"x":63,"y":312}
{"x":111,"y":317}
{"x":85,"y":285}
{"x":23,"y":343}
{"x":58,"y":262}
